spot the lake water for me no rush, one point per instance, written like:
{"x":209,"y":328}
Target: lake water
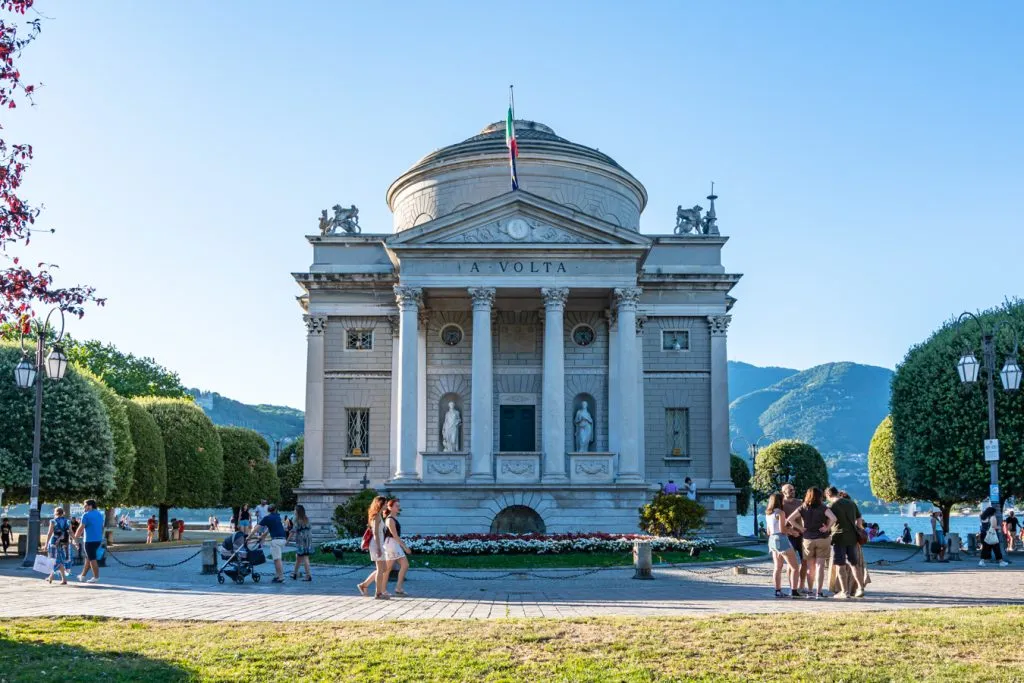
{"x":892,"y":525}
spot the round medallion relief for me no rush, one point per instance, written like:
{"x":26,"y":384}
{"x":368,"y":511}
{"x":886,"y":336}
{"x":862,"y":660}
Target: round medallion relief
{"x":451,"y":335}
{"x":583,"y":335}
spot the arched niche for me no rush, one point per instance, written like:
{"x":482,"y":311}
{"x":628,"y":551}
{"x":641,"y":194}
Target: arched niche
{"x":518,"y":519}
{"x":577,"y":406}
{"x":442,"y":414}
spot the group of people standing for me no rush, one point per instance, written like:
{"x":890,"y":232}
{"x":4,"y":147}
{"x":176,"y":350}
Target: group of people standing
{"x":384,"y":533}
{"x":823,"y":529}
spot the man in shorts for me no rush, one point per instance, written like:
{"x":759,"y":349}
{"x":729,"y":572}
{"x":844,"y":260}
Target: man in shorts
{"x":92,"y":525}
{"x":844,"y":541}
{"x":271,"y":524}
{"x":790,"y":504}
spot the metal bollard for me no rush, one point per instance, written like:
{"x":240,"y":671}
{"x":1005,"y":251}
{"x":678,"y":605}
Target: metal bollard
{"x":642,"y":560}
{"x":209,"y":557}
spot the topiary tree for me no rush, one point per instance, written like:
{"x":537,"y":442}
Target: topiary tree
{"x":885,"y":485}
{"x":799,"y":463}
{"x":149,"y":476}
{"x":740,"y":474}
{"x":248,"y":473}
{"x":939,"y":425}
{"x":290,"y":473}
{"x":350,"y":517}
{"x":195,"y":461}
{"x":671,"y":514}
{"x":77,"y":446}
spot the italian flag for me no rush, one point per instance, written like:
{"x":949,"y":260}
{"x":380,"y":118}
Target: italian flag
{"x":513,"y":147}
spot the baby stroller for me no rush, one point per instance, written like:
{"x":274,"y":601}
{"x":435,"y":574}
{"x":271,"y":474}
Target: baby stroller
{"x":239,"y":559}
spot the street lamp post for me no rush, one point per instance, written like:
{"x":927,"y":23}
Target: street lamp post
{"x":29,"y":374}
{"x":752,"y":449}
{"x":968,"y":368}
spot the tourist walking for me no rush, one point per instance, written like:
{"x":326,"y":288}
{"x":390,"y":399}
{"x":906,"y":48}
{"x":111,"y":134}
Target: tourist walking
{"x":790,"y":504}
{"x":92,"y":525}
{"x":782,"y":549}
{"x":261,"y":511}
{"x":6,"y":534}
{"x":244,"y":520}
{"x":181,"y":529}
{"x":302,"y":533}
{"x":990,"y":538}
{"x":395,"y":550}
{"x":1010,"y":526}
{"x":150,"y":528}
{"x":271,"y":524}
{"x":690,"y":489}
{"x":845,"y":550}
{"x":58,"y":540}
{"x":814,"y":520}
{"x":375,"y":525}
{"x":938,"y":536}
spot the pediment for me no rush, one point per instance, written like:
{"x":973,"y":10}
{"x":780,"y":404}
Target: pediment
{"x":516,"y":218}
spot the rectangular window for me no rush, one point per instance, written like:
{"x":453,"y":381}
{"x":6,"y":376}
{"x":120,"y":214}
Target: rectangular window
{"x":677,"y":432}
{"x":358,"y":431}
{"x":359,"y":340}
{"x":675,"y":340}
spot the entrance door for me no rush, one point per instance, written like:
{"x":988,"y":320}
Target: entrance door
{"x":518,"y":433}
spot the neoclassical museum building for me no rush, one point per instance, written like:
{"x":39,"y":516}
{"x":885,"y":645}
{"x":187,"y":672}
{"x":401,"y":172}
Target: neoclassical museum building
{"x":517,"y":360}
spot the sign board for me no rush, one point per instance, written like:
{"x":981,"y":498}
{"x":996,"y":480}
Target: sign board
{"x":33,"y":504}
{"x":993,"y":494}
{"x":991,"y":450}
{"x":721,"y":503}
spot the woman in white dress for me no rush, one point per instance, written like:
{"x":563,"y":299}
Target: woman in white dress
{"x":395,"y":549}
{"x":375,"y":522}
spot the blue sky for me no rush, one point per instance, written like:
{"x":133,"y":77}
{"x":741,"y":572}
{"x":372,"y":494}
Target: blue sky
{"x":868,"y":157}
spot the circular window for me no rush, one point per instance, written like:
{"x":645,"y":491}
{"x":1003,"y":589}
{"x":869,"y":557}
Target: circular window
{"x":583,"y":335}
{"x":451,"y":335}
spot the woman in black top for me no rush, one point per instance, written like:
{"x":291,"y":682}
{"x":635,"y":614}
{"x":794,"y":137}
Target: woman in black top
{"x":5,"y":534}
{"x":395,"y":549}
{"x":989,"y":538}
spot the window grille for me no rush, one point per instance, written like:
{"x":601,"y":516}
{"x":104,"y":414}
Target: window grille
{"x":359,"y":340}
{"x":677,"y":431}
{"x":675,"y":340}
{"x":358,"y":431}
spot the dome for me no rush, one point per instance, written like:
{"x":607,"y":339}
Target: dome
{"x":476,"y":169}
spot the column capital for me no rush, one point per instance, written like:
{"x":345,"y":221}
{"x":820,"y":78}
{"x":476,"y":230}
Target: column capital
{"x":315,"y":324}
{"x":408,"y":298}
{"x":627,"y":298}
{"x":423,"y":315}
{"x":395,"y":322}
{"x":554,"y":297}
{"x":483,"y":297}
{"x":640,"y":320}
{"x":719,"y":324}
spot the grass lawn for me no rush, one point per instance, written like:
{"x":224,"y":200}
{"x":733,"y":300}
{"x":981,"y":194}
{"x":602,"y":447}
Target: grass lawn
{"x":942,"y":644}
{"x":563,"y":560}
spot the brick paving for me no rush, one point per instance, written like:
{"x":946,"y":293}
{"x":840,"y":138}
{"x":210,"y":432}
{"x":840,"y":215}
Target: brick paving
{"x":185,"y":593}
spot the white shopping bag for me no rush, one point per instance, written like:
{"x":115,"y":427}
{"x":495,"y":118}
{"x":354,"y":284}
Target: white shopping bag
{"x":43,"y":564}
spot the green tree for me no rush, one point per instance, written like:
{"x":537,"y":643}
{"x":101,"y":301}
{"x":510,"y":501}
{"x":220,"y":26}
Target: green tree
{"x":77,"y":447}
{"x":289,"y":473}
{"x":939,"y":425}
{"x":779,"y":461}
{"x":740,"y":473}
{"x":124,"y":447}
{"x":149,"y":477}
{"x":672,"y":514}
{"x":248,"y":474}
{"x":127,"y":374}
{"x":885,"y":485}
{"x":195,"y":460}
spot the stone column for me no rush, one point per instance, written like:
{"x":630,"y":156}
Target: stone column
{"x":612,"y":413}
{"x":553,"y":421}
{"x":641,"y":424}
{"x":421,"y":389}
{"x":313,"y":460}
{"x":396,"y":394}
{"x":481,"y":429}
{"x":626,"y":299}
{"x":409,"y":300}
{"x":720,"y":475}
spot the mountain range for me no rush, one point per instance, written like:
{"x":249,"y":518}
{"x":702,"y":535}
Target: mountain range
{"x":836,"y":407}
{"x":275,"y":423}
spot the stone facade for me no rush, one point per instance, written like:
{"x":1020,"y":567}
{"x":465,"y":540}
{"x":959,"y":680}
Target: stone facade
{"x":517,"y":309}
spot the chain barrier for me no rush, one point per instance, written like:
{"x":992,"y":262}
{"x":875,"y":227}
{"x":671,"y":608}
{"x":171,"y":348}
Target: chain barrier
{"x":883,"y":562}
{"x":152,"y":565}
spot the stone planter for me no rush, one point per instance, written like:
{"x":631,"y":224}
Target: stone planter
{"x":591,"y":468}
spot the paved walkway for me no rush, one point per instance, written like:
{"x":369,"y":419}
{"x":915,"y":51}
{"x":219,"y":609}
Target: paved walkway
{"x":184,"y":593}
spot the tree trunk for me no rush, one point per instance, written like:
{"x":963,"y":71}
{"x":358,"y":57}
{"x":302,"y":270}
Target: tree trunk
{"x":163,"y":522}
{"x":109,"y":524}
{"x":945,"y":509}
{"x":234,"y":513}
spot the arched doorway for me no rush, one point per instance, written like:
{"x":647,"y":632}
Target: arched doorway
{"x":517,"y":519}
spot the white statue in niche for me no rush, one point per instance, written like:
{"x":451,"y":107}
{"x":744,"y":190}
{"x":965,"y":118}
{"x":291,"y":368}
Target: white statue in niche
{"x":584,"y":424}
{"x":450,"y":430}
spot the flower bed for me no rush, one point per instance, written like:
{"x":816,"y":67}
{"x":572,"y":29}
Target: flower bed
{"x":539,"y":544}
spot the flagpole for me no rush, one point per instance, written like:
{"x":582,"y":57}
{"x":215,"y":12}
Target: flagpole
{"x":512,"y":100}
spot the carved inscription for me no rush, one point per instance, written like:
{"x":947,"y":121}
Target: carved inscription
{"x":518,"y":267}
